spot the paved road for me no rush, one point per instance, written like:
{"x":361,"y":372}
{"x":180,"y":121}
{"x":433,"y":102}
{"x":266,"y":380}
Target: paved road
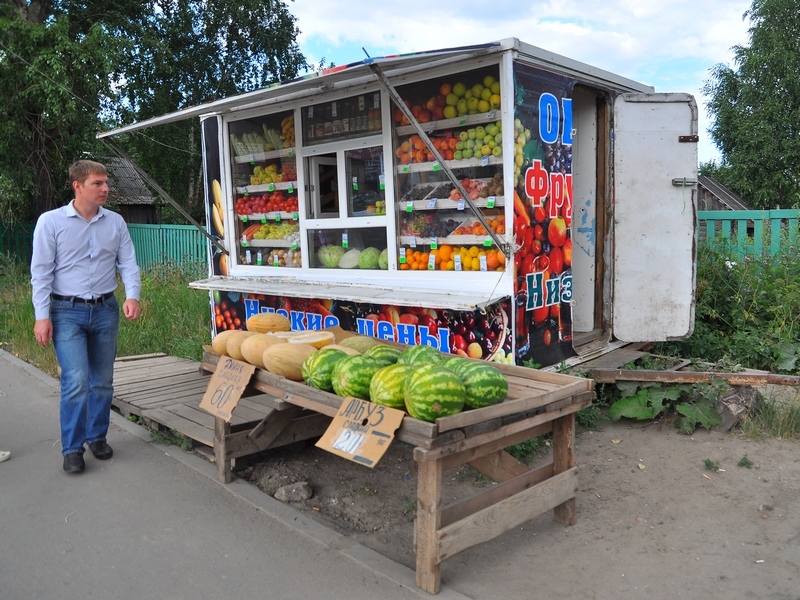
{"x":152,"y":522}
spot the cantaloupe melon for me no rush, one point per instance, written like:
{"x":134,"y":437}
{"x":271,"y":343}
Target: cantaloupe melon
{"x":318,"y":339}
{"x":253,"y":347}
{"x":268,"y":322}
{"x":286,"y":360}
{"x":345,"y":349}
{"x":234,"y":345}
{"x":220,"y":342}
{"x":362,"y":343}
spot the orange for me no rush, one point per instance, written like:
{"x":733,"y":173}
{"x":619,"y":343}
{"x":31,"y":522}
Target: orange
{"x":491,"y":261}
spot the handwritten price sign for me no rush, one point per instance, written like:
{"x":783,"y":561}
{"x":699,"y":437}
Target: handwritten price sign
{"x":361,"y":431}
{"x":226,"y":386}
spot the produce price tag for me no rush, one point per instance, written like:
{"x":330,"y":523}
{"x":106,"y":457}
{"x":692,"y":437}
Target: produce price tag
{"x":355,"y":183}
{"x":490,"y":114}
{"x":457,"y":261}
{"x":252,"y":160}
{"x":410,"y":206}
{"x":249,"y":158}
{"x":463,"y":121}
{"x":344,"y":240}
{"x":484,"y":161}
{"x":277,"y":217}
{"x":490,"y":202}
{"x":244,"y":218}
{"x":487,"y":243}
{"x":245,"y":192}
{"x":432,"y":203}
{"x":434,"y":245}
{"x":294,"y":245}
{"x":290,"y":189}
{"x":361,"y":103}
{"x":247,"y":257}
{"x":225,"y":387}
{"x":271,"y":187}
{"x":294,"y":215}
{"x":436,"y":166}
{"x":381,"y":182}
{"x":483,"y":263}
{"x":333,"y":109}
{"x":405,"y":169}
{"x":402,"y":256}
{"x":361,"y":431}
{"x":244,"y":241}
{"x":275,"y":260}
{"x":431,"y":262}
{"x":412,"y":241}
{"x":376,"y":100}
{"x":461,"y":203}
{"x":263,"y":219}
{"x":259,"y":258}
{"x":310,"y":112}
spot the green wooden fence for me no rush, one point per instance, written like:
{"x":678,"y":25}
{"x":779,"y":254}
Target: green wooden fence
{"x":155,"y":244}
{"x":748,"y":232}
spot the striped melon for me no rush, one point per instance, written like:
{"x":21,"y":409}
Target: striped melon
{"x":318,"y":368}
{"x":385,"y":354}
{"x":353,"y":374}
{"x":484,"y":384}
{"x":433,"y":391}
{"x":420,"y":355}
{"x":387,"y":387}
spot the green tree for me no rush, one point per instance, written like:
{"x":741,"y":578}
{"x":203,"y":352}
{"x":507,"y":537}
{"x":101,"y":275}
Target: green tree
{"x":756,"y":109}
{"x":73,"y":67}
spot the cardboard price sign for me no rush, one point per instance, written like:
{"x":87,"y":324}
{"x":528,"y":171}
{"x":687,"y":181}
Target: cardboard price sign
{"x":226,"y":386}
{"x":361,"y":431}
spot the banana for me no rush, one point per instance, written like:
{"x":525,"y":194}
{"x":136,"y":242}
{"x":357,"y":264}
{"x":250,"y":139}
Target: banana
{"x":216,"y":217}
{"x":223,"y":265}
{"x":217,"y":190}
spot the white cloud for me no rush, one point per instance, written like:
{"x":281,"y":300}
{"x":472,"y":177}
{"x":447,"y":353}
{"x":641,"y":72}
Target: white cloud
{"x":670,"y":45}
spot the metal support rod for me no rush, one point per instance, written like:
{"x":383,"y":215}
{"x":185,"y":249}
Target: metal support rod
{"x":122,"y":154}
{"x":506,"y":248}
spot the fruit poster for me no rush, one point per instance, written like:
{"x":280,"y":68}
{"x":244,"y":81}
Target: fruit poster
{"x":214,"y":205}
{"x":542,"y":216}
{"x":484,"y":334}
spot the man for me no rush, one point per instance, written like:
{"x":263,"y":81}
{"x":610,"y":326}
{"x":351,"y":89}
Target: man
{"x":77,"y":250}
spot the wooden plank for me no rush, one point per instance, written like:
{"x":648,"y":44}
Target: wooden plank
{"x":148,"y":373}
{"x":270,"y":427}
{"x":176,"y":379}
{"x":222,"y":429}
{"x":490,"y":446}
{"x":296,"y":430}
{"x":612,"y":375}
{"x":426,"y":526}
{"x":513,"y":406}
{"x":499,"y":466}
{"x":421,"y":454}
{"x":137,"y":366}
{"x":139,"y":357}
{"x":469,"y":506}
{"x":563,"y":461}
{"x":506,"y":514}
{"x":163,"y":416}
{"x":167,"y":389}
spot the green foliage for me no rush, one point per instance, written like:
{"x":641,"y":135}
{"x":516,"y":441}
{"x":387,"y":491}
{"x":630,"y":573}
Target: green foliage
{"x":756,"y":108}
{"x":526,"y":451}
{"x":747,"y":311}
{"x":711,"y":465}
{"x":775,"y":417}
{"x":745,"y":462}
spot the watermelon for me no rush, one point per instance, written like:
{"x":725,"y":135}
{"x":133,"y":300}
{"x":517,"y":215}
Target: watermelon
{"x":352,"y":375}
{"x":388,"y":386}
{"x":484,"y":384}
{"x":318,"y":368}
{"x":384,"y":353}
{"x":420,"y":355}
{"x":451,"y":362}
{"x":433,"y":391}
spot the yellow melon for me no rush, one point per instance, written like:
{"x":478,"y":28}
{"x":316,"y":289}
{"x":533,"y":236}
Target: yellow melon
{"x":345,"y":349}
{"x":220,"y":343}
{"x":253,"y":347}
{"x":286,"y":360}
{"x":234,"y":345}
{"x":362,"y":343}
{"x":318,"y":339}
{"x":268,"y":322}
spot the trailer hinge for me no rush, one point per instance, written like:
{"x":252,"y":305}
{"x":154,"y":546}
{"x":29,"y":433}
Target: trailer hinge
{"x":683,"y":182}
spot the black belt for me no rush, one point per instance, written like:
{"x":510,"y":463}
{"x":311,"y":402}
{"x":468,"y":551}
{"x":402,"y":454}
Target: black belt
{"x":80,"y":300}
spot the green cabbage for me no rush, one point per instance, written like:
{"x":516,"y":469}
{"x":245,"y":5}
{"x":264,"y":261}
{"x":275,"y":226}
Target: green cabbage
{"x":368,"y":259}
{"x":349,"y":259}
{"x":330,"y":255}
{"x":383,"y":259}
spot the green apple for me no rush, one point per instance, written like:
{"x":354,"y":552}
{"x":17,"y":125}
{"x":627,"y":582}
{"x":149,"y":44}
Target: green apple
{"x":489,"y":81}
{"x":468,"y":153}
{"x":477,"y":89}
{"x":457,"y":155}
{"x":461,"y":107}
{"x":492,"y":129}
{"x":463,"y":136}
{"x":495,"y":87}
{"x":469,"y":144}
{"x":498,"y":137}
{"x":486,"y":93}
{"x":497,"y":151}
{"x":460,"y":145}
{"x":472,"y":103}
{"x":472,"y":133}
{"x":468,"y":95}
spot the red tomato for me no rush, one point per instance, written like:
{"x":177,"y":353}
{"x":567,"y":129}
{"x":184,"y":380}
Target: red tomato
{"x":539,"y":215}
{"x":538,"y":232}
{"x":557,"y":231}
{"x":567,"y":248}
{"x":540,"y":314}
{"x":556,"y":260}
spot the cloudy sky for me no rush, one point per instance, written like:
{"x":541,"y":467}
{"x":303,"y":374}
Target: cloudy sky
{"x":669,"y":44}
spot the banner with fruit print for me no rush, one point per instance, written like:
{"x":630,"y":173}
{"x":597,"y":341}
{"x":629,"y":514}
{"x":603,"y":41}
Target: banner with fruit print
{"x":542,"y":216}
{"x":215,"y":214}
{"x":484,"y":334}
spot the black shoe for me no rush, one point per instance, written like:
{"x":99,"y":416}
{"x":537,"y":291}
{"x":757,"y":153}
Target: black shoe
{"x":73,"y":462}
{"x":101,"y":450}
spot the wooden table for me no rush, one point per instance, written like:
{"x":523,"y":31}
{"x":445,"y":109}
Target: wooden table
{"x":538,"y":402}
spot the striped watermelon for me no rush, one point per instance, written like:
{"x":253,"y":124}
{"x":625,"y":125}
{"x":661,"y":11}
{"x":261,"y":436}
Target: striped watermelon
{"x":485,"y":385}
{"x":318,"y":368}
{"x":388,"y":386}
{"x":420,"y":355}
{"x":384,"y":353}
{"x":352,"y":375}
{"x":433,"y":391}
{"x":451,"y":362}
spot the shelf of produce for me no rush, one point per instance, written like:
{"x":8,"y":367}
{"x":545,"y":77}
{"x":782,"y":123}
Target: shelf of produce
{"x":267,"y":187}
{"x":454,"y":123}
{"x":264,"y":156}
{"x":451,"y":240}
{"x":538,"y":403}
{"x":448,"y":204}
{"x":269,"y":217}
{"x":464,"y":163}
{"x":271,"y":243}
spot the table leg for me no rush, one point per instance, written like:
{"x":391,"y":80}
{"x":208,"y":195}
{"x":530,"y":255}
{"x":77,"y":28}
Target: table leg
{"x":563,"y":460}
{"x":222,"y":429}
{"x":429,"y":517}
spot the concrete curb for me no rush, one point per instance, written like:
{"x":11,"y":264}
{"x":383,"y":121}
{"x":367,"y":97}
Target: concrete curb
{"x":278,"y":511}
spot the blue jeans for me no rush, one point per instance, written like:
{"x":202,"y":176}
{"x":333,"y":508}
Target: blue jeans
{"x":85,"y":339}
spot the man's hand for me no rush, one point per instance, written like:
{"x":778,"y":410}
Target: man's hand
{"x":43,"y":331}
{"x":131,"y":309}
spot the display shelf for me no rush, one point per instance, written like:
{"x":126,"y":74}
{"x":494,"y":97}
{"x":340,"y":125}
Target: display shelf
{"x":464,"y":163}
{"x":456,"y":122}
{"x":448,"y":204}
{"x":451,"y":240}
{"x":269,"y":217}
{"x":264,"y":156}
{"x":254,"y":243}
{"x":267,"y":187}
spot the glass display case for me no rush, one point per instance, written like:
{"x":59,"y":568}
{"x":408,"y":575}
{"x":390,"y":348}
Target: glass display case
{"x":342,"y":119}
{"x":437,"y":228}
{"x":349,"y":248}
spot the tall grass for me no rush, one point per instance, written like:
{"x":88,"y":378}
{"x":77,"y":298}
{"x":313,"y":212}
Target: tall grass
{"x":175,"y":319}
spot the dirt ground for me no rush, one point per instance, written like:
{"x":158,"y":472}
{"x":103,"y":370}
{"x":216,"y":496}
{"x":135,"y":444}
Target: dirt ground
{"x":652,"y":518}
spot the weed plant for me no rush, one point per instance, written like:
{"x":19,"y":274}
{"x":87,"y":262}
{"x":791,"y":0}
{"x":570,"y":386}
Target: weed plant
{"x":175,"y":319}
